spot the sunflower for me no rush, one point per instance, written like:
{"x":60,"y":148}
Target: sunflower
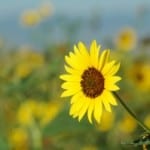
{"x":126,"y":39}
{"x":139,"y":74}
{"x":30,"y":18}
{"x":90,"y":80}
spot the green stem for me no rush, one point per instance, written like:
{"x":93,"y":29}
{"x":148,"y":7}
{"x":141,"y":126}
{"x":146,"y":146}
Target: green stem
{"x":36,"y":136}
{"x":131,"y":112}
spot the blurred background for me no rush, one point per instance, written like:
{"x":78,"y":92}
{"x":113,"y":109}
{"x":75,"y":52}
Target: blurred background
{"x":35,"y":35}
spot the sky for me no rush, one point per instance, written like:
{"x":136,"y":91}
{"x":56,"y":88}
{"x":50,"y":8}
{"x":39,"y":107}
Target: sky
{"x":74,"y":7}
{"x":114,"y":14}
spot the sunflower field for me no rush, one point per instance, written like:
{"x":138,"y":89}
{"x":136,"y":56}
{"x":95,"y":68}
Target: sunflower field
{"x":68,"y":91}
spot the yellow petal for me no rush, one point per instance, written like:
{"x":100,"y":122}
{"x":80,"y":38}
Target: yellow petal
{"x":76,"y":97}
{"x":113,"y":70}
{"x":67,"y":77}
{"x":103,"y":59}
{"x":107,"y":67}
{"x":109,"y":97}
{"x":69,"y":92}
{"x":112,"y":87}
{"x":110,"y":82}
{"x":84,"y":109}
{"x":76,"y":50}
{"x":73,"y":62}
{"x":72,"y":71}
{"x":82,"y":57}
{"x":71,"y":85}
{"x":106,"y":104}
{"x":90,"y":111}
{"x":75,"y":107}
{"x":94,"y":54}
{"x":98,"y":109}
{"x":83,"y":51}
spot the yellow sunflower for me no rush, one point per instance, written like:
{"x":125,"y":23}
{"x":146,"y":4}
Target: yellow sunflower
{"x":30,"y":18}
{"x":126,"y":39}
{"x":139,"y":73}
{"x":90,"y":80}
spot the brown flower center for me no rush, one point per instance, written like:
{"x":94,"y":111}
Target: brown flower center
{"x":139,"y":77}
{"x":92,"y":82}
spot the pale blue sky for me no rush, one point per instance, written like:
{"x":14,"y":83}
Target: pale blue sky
{"x":75,"y":7}
{"x":113,"y":14}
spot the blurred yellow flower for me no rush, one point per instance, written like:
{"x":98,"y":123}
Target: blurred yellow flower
{"x":147,"y":121}
{"x":107,"y":121}
{"x":126,"y":39}
{"x":38,"y":109}
{"x":30,"y":18}
{"x":28,"y":62}
{"x":22,"y":70}
{"x":127,"y":124}
{"x":42,"y":112}
{"x":139,"y":73}
{"x":51,"y":111}
{"x":18,"y":139}
{"x":32,"y":57}
{"x":25,"y":114}
{"x":45,"y":10}
{"x":90,"y":147}
{"x":90,"y":80}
